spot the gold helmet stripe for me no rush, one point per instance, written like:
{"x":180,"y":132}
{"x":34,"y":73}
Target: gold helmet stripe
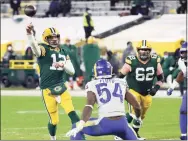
{"x":143,"y":42}
{"x":52,"y":30}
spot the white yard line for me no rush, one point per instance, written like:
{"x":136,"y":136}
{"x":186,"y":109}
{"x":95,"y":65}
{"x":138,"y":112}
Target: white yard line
{"x":76,"y":93}
{"x":44,"y":112}
{"x":31,"y":128}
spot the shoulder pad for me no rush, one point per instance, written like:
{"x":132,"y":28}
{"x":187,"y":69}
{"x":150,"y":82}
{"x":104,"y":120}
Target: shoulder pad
{"x":90,"y":86}
{"x":154,"y":56}
{"x":129,"y":59}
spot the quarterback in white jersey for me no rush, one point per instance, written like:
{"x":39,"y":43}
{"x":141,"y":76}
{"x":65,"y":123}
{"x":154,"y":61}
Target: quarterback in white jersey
{"x":109,"y":93}
{"x":182,"y":63}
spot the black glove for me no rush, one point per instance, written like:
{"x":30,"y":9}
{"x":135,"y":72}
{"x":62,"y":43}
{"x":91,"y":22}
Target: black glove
{"x":153,"y":90}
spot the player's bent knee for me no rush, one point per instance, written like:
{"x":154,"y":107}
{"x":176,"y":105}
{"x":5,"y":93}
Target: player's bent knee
{"x":68,"y":106}
{"x":55,"y":122}
{"x":68,"y":110}
{"x":67,"y":102}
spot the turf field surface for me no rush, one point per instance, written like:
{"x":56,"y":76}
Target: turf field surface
{"x":25,"y":118}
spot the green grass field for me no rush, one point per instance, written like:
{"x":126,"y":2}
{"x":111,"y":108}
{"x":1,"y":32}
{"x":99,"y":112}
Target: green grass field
{"x":25,"y":118}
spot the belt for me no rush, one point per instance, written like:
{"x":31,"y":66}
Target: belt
{"x":115,"y":117}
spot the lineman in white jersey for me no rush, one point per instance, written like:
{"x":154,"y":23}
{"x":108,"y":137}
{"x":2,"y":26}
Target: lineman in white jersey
{"x":182,"y":62}
{"x":109,"y":93}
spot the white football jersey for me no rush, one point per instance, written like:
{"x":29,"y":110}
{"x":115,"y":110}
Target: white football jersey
{"x":110,"y":95}
{"x":182,"y":67}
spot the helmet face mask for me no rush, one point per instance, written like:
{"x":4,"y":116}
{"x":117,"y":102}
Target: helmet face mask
{"x":144,"y":54}
{"x":144,"y":50}
{"x":53,"y":41}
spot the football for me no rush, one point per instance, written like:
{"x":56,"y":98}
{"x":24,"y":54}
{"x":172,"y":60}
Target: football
{"x":30,"y":10}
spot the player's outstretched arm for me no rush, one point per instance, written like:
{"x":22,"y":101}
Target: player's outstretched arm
{"x":91,"y":99}
{"x":124,"y":70}
{"x":178,"y":79}
{"x":132,"y":100}
{"x":33,"y":43}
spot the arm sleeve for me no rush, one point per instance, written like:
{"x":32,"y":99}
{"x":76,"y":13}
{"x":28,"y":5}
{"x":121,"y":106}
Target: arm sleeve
{"x":69,"y":67}
{"x":34,"y":45}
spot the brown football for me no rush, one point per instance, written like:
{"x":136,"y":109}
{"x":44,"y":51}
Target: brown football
{"x":30,"y":10}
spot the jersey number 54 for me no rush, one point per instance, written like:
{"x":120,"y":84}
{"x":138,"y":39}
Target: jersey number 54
{"x":102,"y":89}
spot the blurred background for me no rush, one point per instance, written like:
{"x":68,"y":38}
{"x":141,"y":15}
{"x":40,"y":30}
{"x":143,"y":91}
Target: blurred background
{"x":89,"y":30}
{"x":114,"y":27}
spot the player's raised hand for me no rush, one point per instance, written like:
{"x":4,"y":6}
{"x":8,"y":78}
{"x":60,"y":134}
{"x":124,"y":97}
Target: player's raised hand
{"x":30,"y":29}
{"x":169,"y":91}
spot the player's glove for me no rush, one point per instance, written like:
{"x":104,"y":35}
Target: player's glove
{"x":169,"y":91}
{"x":74,"y":131}
{"x":137,"y":122}
{"x":153,"y":90}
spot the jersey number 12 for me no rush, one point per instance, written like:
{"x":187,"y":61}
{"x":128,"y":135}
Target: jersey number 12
{"x":55,"y":60}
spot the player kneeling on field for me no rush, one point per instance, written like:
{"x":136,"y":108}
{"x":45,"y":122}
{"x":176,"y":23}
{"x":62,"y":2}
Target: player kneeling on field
{"x":109,"y":93}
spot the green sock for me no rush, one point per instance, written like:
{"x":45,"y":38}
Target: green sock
{"x":129,"y":117}
{"x":52,"y":129}
{"x":74,"y":117}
